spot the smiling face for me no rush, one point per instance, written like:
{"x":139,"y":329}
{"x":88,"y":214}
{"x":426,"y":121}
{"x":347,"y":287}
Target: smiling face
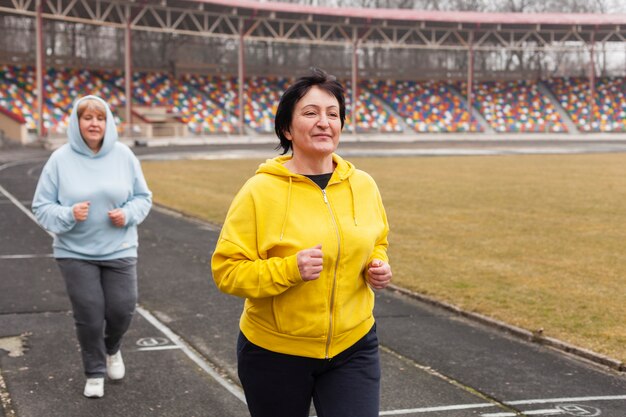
{"x":92,"y":122}
{"x":315,"y":126}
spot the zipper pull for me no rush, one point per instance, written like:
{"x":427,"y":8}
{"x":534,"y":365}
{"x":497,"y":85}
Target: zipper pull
{"x":324,"y":194}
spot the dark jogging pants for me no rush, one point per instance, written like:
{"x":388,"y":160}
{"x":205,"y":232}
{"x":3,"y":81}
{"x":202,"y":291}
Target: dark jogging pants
{"x":103,"y":296}
{"x":279,"y":385}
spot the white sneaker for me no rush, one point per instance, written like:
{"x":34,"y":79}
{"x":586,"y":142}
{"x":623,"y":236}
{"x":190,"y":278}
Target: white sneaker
{"x":94,"y":388}
{"x":115,"y":366}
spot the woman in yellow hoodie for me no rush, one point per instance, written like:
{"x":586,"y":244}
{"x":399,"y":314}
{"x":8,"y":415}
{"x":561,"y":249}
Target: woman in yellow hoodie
{"x":305,"y":243}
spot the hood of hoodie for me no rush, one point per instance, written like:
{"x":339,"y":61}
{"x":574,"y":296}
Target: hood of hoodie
{"x":75,"y":139}
{"x":343,"y":170}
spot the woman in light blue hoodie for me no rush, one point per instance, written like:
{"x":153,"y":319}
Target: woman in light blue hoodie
{"x":92,"y":195}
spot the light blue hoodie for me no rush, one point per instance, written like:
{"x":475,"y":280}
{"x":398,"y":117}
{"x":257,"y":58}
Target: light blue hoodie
{"x":109,"y":179}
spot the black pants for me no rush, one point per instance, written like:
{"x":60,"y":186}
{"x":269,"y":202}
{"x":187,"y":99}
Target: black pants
{"x":278,"y":385}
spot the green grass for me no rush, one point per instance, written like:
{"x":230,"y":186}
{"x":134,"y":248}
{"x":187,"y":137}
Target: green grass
{"x":535,"y":241}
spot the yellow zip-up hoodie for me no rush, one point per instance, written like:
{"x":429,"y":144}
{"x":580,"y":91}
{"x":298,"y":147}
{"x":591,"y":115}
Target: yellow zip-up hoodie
{"x":275,"y":215}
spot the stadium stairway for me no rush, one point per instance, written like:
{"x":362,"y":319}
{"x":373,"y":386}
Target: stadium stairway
{"x":487,"y":128}
{"x":406,"y":129}
{"x":567,"y":120}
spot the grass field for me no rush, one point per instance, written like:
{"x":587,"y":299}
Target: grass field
{"x":536,"y":241}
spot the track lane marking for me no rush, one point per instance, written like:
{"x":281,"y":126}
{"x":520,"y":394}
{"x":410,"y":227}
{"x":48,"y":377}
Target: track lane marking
{"x":20,"y":206}
{"x":568,"y":399}
{"x":561,"y":400}
{"x":147,"y":349}
{"x":27,"y":256}
{"x":548,"y":412}
{"x":206,"y":366}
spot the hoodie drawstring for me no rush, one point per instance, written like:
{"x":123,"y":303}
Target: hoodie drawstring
{"x":353,"y":202}
{"x":282,"y":230}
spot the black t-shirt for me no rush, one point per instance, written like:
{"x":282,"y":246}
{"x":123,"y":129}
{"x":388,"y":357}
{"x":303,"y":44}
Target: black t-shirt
{"x":320,"y":179}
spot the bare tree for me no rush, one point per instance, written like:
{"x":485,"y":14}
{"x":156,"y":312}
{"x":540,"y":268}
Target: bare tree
{"x":535,"y":6}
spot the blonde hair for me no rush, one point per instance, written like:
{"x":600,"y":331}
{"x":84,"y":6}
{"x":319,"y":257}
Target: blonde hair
{"x":91,"y":104}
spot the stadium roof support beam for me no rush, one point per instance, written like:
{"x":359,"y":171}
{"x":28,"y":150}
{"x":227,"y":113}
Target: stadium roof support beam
{"x":290,"y":23}
{"x":355,"y":77}
{"x":241,"y":76}
{"x":40,"y":65}
{"x":128,"y":75}
{"x":470,"y":78}
{"x":592,"y":80}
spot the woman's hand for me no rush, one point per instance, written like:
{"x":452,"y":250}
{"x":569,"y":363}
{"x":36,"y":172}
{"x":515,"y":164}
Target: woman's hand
{"x":81,"y":211}
{"x":378,"y":274}
{"x":117,"y":217}
{"x":310,"y":263}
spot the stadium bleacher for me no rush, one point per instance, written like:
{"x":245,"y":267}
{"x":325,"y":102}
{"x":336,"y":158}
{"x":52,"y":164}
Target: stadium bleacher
{"x":431,"y":106}
{"x":263,"y":94}
{"x":16,"y":92}
{"x":210,"y":104}
{"x":516,"y":106}
{"x":608,"y":111}
{"x":201,"y":105}
{"x":372,"y":115}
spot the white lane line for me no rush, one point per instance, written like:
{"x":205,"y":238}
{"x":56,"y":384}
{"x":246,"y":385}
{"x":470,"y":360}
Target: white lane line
{"x":206,"y":367}
{"x":20,"y":206}
{"x":408,"y":411}
{"x":27,"y":256}
{"x":567,"y":400}
{"x":12,"y":164}
{"x":31,"y":171}
{"x":548,"y":412}
{"x":143,"y":349}
{"x":552,"y":411}
{"x":26,"y":203}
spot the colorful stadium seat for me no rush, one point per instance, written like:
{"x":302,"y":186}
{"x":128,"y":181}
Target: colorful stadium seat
{"x":210,"y":104}
{"x":516,"y":107}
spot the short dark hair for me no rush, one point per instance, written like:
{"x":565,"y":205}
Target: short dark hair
{"x":293,"y":94}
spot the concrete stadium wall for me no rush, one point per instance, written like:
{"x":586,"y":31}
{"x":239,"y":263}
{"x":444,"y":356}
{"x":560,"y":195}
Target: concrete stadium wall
{"x":12,"y":129}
